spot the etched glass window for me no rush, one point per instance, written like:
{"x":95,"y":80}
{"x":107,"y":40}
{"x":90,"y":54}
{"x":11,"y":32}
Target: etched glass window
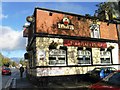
{"x":105,"y":56}
{"x":84,"y":56}
{"x":57,"y":57}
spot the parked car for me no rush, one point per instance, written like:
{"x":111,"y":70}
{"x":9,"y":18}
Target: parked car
{"x":111,"y":82}
{"x":6,"y":71}
{"x":100,"y":72}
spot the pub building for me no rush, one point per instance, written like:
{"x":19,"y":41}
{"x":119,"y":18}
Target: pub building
{"x":119,"y":42}
{"x":67,"y":44}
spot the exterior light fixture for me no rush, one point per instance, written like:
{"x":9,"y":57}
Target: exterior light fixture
{"x":30,"y":19}
{"x":26,"y":56}
{"x":111,"y":47}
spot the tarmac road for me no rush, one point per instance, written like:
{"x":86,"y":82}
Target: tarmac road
{"x":25,"y":84}
{"x":7,"y":79}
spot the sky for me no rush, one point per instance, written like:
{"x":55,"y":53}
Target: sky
{"x":13,"y":17}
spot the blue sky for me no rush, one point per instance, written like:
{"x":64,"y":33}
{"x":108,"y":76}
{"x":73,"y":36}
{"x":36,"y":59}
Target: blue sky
{"x":14,"y":15}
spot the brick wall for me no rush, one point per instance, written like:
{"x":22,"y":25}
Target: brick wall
{"x":49,"y":24}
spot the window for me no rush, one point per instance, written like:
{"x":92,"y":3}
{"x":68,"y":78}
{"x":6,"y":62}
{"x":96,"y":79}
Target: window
{"x":84,"y":56}
{"x":95,"y":31}
{"x":57,"y":57}
{"x":105,"y":56}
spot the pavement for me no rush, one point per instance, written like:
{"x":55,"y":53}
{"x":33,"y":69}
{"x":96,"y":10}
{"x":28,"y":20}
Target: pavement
{"x":23,"y":83}
{"x":72,"y":85}
{"x":0,"y":81}
{"x":18,"y":83}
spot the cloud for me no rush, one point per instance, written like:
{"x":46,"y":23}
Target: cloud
{"x":2,"y":16}
{"x":11,"y":39}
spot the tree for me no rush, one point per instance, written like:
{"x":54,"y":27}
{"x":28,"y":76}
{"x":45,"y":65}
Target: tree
{"x":22,"y":62}
{"x":105,"y":11}
{"x":1,"y":57}
{"x":13,"y":63}
{"x":6,"y":61}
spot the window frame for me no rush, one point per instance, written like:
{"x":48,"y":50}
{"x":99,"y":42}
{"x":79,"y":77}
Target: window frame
{"x":57,"y":57}
{"x":106,"y":56}
{"x":95,"y":31}
{"x":84,"y":56}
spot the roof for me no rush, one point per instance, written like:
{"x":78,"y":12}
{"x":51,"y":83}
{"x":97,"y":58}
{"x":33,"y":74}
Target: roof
{"x":114,"y":21}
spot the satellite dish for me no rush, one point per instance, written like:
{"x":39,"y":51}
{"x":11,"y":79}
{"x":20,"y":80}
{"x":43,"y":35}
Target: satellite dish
{"x":30,"y":19}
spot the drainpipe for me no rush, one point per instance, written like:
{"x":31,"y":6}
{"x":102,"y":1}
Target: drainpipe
{"x":118,"y":34}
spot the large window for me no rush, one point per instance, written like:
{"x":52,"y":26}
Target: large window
{"x":57,"y":57}
{"x":105,"y":56}
{"x":84,"y":56}
{"x":95,"y":31}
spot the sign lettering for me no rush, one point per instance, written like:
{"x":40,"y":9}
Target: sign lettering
{"x":65,"y":24}
{"x":62,"y":26}
{"x":78,"y":43}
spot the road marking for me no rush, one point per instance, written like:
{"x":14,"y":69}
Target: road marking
{"x":14,"y":83}
{"x":8,"y":83}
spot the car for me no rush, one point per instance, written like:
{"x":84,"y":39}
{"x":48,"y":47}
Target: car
{"x":100,"y":72}
{"x":6,"y":71}
{"x":111,"y":82}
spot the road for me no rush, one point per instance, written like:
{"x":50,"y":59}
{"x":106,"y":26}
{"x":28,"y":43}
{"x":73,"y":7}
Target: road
{"x":15,"y":81}
{"x":6,"y":79}
{"x":24,"y":83}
